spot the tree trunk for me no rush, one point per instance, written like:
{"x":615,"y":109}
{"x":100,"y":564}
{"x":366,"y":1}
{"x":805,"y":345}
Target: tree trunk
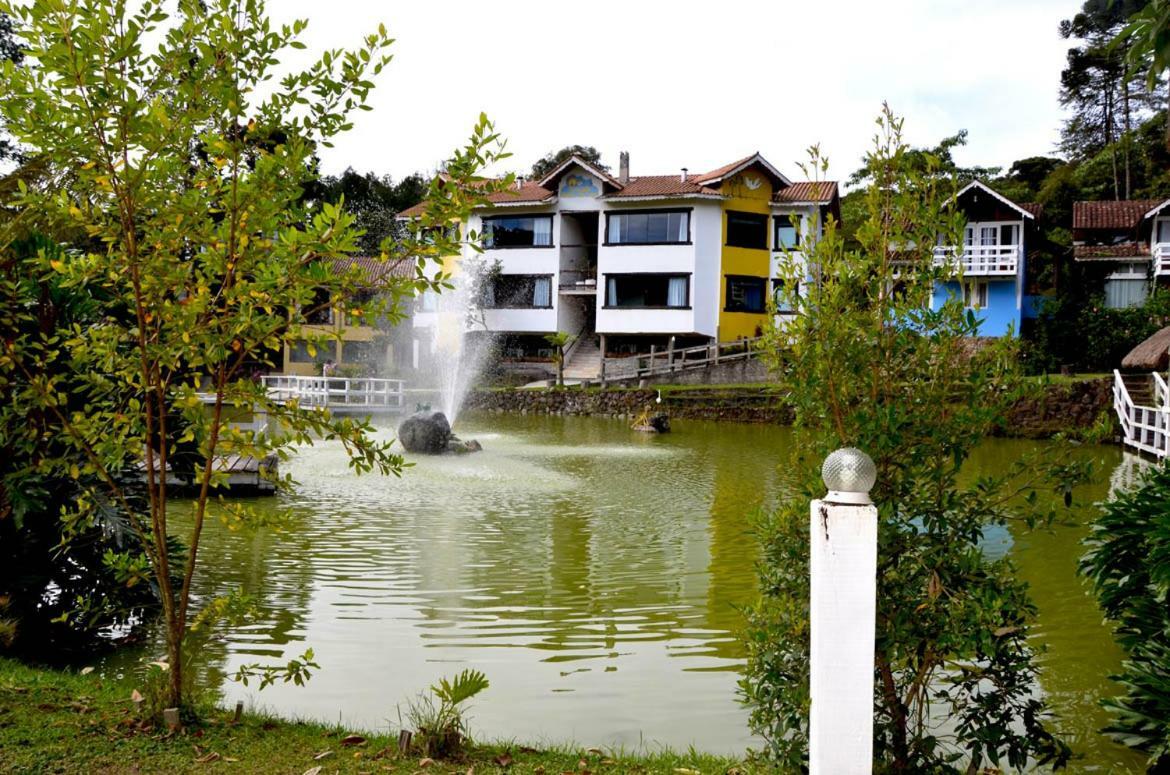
{"x":561,"y":366}
{"x":1126,"y":138}
{"x":175,"y":663}
{"x":897,"y":713}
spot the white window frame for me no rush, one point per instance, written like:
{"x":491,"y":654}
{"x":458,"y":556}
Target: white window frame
{"x":977,"y":291}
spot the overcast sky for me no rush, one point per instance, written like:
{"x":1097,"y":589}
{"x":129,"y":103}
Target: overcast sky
{"x":685,"y":84}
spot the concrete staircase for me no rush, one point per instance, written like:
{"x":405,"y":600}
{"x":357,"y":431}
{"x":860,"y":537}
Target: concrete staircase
{"x":585,"y":361}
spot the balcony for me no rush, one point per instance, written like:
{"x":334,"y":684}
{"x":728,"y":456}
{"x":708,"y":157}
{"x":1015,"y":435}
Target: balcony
{"x":980,"y":259}
{"x":578,"y":282}
{"x":1161,"y":255}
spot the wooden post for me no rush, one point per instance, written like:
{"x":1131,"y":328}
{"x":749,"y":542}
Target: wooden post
{"x":715,"y":344}
{"x":239,"y":711}
{"x":602,"y":374}
{"x":171,"y":719}
{"x":404,"y":741}
{"x":670,"y":354}
{"x":650,"y":370}
{"x":842,"y":613}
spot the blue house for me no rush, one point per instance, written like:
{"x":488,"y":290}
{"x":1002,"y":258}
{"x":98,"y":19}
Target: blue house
{"x":989,"y":265}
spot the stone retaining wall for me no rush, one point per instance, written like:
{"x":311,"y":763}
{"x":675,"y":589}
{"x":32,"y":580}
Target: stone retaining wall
{"x":1068,"y":408}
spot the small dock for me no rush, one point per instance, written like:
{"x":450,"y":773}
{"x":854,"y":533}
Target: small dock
{"x":341,"y":395}
{"x":245,"y":475}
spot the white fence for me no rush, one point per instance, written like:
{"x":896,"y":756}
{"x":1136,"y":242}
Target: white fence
{"x":671,"y":360}
{"x":1145,"y":428}
{"x":980,"y":259}
{"x":342,"y":393}
{"x":1161,"y":253}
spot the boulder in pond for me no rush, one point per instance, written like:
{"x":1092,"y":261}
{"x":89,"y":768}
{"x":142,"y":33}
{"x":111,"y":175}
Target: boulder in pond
{"x":426,"y":432}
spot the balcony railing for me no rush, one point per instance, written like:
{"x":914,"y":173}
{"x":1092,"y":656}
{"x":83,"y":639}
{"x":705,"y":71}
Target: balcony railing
{"x":980,"y":259}
{"x":578,"y":280}
{"x":1161,"y":254}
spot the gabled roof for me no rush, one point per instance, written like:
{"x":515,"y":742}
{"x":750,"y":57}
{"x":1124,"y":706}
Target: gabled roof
{"x":563,"y":167}
{"x":528,"y":193}
{"x":1123,"y":214}
{"x":374,"y":269}
{"x":807,"y":192}
{"x":1157,"y":209}
{"x":716,"y":176}
{"x":1025,"y":211}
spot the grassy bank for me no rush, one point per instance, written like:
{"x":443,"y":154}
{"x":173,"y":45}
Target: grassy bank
{"x":64,"y":722}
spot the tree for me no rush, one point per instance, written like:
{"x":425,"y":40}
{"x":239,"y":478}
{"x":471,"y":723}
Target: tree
{"x":182,"y":163}
{"x":867,"y":362}
{"x":551,"y":161}
{"x":1146,"y":41}
{"x":375,"y":202}
{"x":1128,"y":563}
{"x":559,"y":341}
{"x":9,"y":52}
{"x":1104,"y":96}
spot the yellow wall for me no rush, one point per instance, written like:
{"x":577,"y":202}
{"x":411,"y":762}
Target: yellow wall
{"x":328,"y":350}
{"x":744,"y":261}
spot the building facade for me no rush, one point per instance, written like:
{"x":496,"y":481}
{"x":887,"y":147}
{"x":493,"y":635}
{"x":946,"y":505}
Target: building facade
{"x":625,"y":263}
{"x":989,"y":267}
{"x":1128,"y":242}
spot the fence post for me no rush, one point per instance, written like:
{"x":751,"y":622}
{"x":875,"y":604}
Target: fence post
{"x":650,"y":370}
{"x":842,"y":610}
{"x":670,"y":354}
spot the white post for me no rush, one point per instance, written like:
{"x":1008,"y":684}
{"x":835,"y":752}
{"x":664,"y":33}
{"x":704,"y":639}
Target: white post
{"x":843,"y":567}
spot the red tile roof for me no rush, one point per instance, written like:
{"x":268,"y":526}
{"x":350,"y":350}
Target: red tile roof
{"x":375,"y":269}
{"x":719,"y":172}
{"x":807,"y":191}
{"x":1035,"y":208}
{"x":663,"y":185}
{"x":1124,"y":214}
{"x":1122,"y":250}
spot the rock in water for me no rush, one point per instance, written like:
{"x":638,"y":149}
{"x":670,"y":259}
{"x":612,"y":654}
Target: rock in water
{"x":426,"y":432}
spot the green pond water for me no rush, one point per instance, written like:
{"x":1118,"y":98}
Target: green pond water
{"x":591,"y":572}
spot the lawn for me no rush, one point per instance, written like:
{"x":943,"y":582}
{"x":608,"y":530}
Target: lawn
{"x":64,"y":722}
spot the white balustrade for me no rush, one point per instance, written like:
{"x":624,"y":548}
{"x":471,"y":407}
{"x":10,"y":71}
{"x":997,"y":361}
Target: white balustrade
{"x":370,"y":393}
{"x":1161,"y":255}
{"x":980,"y":259}
{"x":1145,"y":428}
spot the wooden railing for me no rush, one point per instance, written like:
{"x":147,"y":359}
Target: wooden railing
{"x":1161,"y":254}
{"x":672,"y":360}
{"x":1145,"y":428}
{"x":980,"y":259}
{"x":384,"y":395}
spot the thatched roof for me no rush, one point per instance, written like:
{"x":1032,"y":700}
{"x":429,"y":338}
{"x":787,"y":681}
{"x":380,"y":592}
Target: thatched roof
{"x":1151,"y":355}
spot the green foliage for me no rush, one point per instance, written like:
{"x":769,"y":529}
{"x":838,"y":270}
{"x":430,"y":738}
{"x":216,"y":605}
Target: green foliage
{"x":559,"y":341}
{"x":1128,"y":563}
{"x":551,"y":161}
{"x":176,"y":161}
{"x":373,"y":200}
{"x":866,"y":362}
{"x":442,"y":727}
{"x":1079,"y":331}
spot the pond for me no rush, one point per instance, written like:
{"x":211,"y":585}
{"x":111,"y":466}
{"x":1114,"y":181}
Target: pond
{"x":594,"y":574}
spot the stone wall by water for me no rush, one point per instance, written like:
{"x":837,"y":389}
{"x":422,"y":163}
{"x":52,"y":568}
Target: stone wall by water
{"x":1066,"y":408}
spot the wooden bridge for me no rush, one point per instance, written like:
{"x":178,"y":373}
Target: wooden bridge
{"x":1142,"y":403}
{"x":354,"y":395}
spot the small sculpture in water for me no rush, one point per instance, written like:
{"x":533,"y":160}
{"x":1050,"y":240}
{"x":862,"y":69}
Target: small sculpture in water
{"x":652,"y":422}
{"x":429,"y":433}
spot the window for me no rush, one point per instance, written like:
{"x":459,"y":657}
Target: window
{"x":745,"y":294}
{"x":318,"y":312}
{"x":747,"y":230}
{"x":357,"y":352}
{"x":524,"y":231}
{"x":652,"y":227}
{"x":1128,"y":286}
{"x":787,"y":232}
{"x":300,"y":352}
{"x":648,"y":290}
{"x":428,"y":302}
{"x":784,"y":295}
{"x":975,"y":294}
{"x":518,"y":291}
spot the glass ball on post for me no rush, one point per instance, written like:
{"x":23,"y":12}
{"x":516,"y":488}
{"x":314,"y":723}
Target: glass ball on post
{"x":849,"y":475}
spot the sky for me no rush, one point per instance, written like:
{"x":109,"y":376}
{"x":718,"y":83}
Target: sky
{"x":697,"y":84}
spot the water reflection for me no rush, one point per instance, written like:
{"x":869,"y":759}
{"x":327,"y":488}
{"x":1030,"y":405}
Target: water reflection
{"x":593,"y":573}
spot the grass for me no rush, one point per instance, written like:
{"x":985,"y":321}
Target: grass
{"x":64,"y":722}
{"x":1069,"y":379}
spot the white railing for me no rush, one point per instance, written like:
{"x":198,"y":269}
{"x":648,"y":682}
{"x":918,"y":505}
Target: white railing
{"x":672,"y":360}
{"x":338,"y":392}
{"x":1145,"y":428}
{"x":979,"y":259}
{"x":1161,"y":254}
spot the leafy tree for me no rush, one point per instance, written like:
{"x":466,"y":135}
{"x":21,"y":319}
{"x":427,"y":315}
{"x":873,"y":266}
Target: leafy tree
{"x":173,"y":151}
{"x":560,"y":341}
{"x":1105,"y":98}
{"x":373,"y":200}
{"x":938,"y":161}
{"x":1128,"y":563}
{"x":866,"y":362}
{"x":551,"y":161}
{"x":1146,"y":42}
{"x":9,"y":52}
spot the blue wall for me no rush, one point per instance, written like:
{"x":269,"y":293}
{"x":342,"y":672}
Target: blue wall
{"x":1001,"y":314}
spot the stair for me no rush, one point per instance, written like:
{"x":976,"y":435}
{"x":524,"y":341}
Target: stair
{"x":1140,"y":388}
{"x":585,"y":360}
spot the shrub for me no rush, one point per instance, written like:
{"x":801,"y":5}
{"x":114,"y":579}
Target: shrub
{"x":1128,"y":563}
{"x":1084,"y":334}
{"x":441,"y":727}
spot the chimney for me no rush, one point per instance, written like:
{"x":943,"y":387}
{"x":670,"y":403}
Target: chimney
{"x":624,"y":167}
{"x":683,"y":176}
{"x":519,"y":182}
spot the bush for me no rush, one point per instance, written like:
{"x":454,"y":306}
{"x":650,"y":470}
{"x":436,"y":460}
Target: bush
{"x":1084,"y":334}
{"x":441,"y":726}
{"x":1128,"y":563}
